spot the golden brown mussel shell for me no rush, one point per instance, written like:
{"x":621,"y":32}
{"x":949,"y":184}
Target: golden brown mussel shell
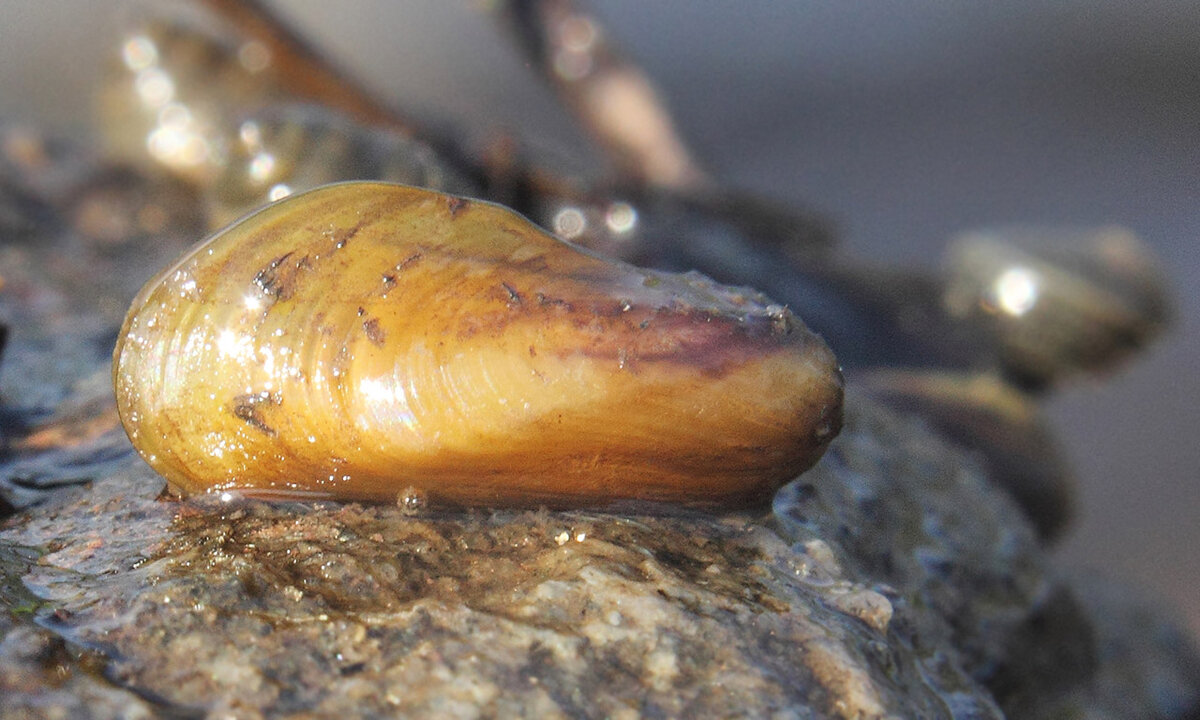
{"x":363,"y":340}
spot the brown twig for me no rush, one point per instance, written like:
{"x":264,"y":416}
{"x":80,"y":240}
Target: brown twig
{"x":613,"y":98}
{"x":609,"y":94}
{"x":302,"y":71}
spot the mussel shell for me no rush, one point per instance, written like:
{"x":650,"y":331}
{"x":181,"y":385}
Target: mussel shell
{"x":363,"y":340}
{"x":1058,"y":301}
{"x":172,"y":97}
{"x":291,"y":147}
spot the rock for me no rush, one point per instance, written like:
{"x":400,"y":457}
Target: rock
{"x":892,"y":580}
{"x":41,"y":677}
{"x":906,"y":509}
{"x":245,"y":608}
{"x":1100,"y":651}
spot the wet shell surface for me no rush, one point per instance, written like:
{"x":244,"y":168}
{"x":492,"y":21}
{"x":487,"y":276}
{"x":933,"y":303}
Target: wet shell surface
{"x":373,"y":341}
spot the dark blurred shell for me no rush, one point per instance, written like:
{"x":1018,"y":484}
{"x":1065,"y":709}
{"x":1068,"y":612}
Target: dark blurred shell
{"x":290,"y":148}
{"x":1058,"y":301}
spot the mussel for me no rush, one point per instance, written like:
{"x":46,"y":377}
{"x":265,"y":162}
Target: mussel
{"x":177,"y":89}
{"x":288,"y":148}
{"x":370,"y":341}
{"x":1057,"y":302}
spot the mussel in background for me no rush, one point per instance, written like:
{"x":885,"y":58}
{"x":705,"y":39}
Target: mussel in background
{"x":1058,"y":301}
{"x":289,"y":148}
{"x":177,"y":89}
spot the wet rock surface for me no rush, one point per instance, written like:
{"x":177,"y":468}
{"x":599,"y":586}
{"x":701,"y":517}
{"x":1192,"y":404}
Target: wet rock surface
{"x":283,"y":609}
{"x":245,"y":608}
{"x":891,"y":581}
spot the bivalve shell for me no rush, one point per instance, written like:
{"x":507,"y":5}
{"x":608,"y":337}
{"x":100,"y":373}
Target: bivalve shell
{"x":368,"y":341}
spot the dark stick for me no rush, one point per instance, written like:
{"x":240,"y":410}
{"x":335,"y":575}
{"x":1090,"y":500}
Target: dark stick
{"x":303,"y":71}
{"x":509,"y":178}
{"x":608,"y":93}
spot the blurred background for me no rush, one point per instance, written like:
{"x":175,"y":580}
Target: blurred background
{"x":904,"y":122}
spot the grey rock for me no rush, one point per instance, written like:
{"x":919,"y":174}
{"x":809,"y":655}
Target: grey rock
{"x":907,"y":509}
{"x":1102,"y":651}
{"x":42,"y":678}
{"x":242,"y":607}
{"x":892,"y":580}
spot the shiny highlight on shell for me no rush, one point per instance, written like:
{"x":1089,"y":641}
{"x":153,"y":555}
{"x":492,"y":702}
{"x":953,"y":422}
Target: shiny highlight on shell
{"x":367,"y":341}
